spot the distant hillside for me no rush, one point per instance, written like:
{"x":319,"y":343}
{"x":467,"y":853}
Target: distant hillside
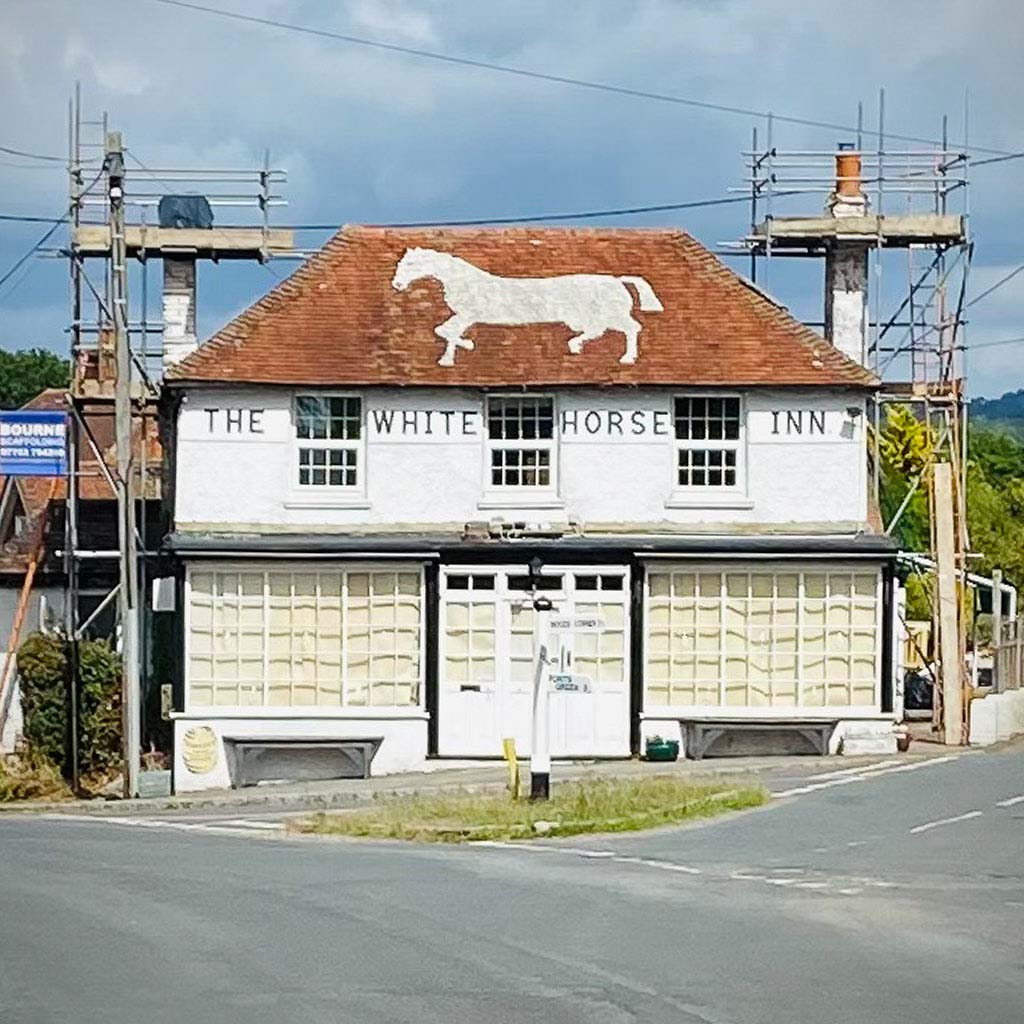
{"x":1006,"y":413}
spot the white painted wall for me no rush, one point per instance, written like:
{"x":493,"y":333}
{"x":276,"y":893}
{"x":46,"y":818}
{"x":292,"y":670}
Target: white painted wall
{"x":403,"y":747}
{"x":997,"y":717}
{"x":236,"y":465}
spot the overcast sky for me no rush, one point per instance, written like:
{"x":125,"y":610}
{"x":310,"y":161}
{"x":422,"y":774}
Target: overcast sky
{"x":372,"y":136}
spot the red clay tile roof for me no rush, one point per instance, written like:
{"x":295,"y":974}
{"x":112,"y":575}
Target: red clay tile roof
{"x":339,"y":320}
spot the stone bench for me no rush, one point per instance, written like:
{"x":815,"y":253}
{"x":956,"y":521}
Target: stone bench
{"x":700,"y":733}
{"x":300,"y":760}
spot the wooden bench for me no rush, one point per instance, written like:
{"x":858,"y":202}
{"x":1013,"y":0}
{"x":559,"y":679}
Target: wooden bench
{"x":700,"y":733}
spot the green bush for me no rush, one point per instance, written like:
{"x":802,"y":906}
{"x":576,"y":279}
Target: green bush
{"x":43,"y":671}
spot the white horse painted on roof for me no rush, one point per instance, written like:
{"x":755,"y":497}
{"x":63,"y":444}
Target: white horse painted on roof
{"x":588,"y":304}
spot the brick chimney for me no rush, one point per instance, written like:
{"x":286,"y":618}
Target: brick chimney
{"x":179,"y":308}
{"x":846,"y":262}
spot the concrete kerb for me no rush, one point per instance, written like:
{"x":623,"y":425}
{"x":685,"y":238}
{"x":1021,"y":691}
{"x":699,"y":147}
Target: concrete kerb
{"x":342,"y":793}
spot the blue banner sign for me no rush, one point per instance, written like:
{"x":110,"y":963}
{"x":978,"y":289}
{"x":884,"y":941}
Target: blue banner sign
{"x":33,"y":443}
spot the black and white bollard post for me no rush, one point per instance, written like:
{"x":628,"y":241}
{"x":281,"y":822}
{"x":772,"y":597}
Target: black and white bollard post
{"x":540,"y":756}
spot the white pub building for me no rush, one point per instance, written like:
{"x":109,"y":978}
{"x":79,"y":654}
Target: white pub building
{"x":378,"y":464}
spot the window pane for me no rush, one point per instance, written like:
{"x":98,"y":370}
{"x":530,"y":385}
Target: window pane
{"x":515,"y":419}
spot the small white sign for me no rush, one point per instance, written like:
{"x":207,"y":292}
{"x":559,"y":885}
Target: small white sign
{"x":580,"y":624}
{"x":564,"y":682}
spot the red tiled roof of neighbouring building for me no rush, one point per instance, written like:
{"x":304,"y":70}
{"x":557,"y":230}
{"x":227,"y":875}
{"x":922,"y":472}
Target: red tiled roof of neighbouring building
{"x":340,"y":320}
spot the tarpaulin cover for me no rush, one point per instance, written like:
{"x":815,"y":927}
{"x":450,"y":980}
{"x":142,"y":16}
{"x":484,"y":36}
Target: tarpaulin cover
{"x":185,"y":212}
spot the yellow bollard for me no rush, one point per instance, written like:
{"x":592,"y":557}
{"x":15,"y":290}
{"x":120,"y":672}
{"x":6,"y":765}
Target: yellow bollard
{"x":508,"y":746}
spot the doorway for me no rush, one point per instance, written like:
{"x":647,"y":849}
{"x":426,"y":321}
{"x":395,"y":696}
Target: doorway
{"x":488,"y":644}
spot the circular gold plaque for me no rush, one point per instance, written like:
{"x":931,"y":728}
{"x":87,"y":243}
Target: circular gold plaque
{"x":200,"y":750}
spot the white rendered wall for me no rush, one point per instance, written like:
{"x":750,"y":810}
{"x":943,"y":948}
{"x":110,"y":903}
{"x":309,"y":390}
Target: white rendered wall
{"x":803,"y":461}
{"x":404,"y":746}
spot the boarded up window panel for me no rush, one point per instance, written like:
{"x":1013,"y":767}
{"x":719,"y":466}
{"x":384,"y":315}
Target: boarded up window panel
{"x":767,"y":639}
{"x":298,"y":645}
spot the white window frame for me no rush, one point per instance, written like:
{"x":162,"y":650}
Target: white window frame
{"x":702,"y":495}
{"x":725,"y":711}
{"x":317,"y":495}
{"x":264,"y":710}
{"x":522,"y":495}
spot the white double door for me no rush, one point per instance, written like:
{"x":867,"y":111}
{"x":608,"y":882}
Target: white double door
{"x":488,"y":652}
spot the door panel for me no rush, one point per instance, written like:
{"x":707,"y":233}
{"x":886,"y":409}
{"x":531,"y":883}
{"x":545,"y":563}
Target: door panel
{"x":488,"y":649}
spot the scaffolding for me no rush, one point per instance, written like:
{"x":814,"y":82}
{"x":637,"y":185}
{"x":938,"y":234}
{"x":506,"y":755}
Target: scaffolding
{"x":118,"y":352}
{"x":907,"y":211}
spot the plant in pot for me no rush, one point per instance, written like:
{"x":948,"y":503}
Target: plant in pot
{"x":657,"y":748}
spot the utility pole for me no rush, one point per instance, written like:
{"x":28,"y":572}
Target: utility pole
{"x":128,"y":594}
{"x":950,"y":664}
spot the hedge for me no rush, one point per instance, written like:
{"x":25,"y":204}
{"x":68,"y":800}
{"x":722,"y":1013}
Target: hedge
{"x":43,"y":672}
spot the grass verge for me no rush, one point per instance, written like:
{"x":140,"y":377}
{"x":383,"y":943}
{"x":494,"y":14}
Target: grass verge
{"x":615,"y":805}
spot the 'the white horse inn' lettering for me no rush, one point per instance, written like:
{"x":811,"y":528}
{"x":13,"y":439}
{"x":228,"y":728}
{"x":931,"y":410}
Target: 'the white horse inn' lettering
{"x":438,"y":424}
{"x":468,"y":422}
{"x":797,"y":421}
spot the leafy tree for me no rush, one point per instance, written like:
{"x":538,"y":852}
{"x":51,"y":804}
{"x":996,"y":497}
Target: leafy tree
{"x":995,"y":502}
{"x":995,"y":495}
{"x":25,"y":373}
{"x":905,"y":448}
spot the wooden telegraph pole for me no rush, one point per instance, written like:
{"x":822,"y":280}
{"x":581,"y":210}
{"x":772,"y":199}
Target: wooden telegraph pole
{"x":949,"y":649}
{"x":128,"y":592}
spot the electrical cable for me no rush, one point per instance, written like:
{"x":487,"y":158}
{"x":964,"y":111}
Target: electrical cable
{"x":999,"y":284}
{"x":508,"y":69}
{"x":35,"y":248}
{"x":42,"y":241}
{"x":33,"y":156}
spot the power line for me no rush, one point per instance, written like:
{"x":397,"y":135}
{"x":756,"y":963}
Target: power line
{"x":148,"y":170}
{"x":996,"y":159}
{"x":30,"y":220}
{"x":996,"y":344}
{"x":516,"y":218}
{"x":999,"y":284}
{"x":42,"y":241}
{"x":540,"y":218}
{"x":33,"y":156}
{"x":35,"y":248}
{"x":542,"y":76}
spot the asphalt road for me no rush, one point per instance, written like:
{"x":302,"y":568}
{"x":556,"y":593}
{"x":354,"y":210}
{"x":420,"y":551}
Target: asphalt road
{"x":886,"y":894}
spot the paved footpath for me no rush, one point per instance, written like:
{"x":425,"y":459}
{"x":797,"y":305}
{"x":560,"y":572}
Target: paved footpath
{"x":891,"y":892}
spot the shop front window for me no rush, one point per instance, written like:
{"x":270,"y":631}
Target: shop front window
{"x":762,"y":639}
{"x":317,"y":638}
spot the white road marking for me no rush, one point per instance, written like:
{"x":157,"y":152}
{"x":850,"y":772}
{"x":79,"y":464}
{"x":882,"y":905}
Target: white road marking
{"x":928,"y":825}
{"x":663,"y":865}
{"x":1010,"y":803}
{"x":860,"y":770}
{"x":237,"y":827}
{"x":865,"y":774}
{"x":275,"y":826}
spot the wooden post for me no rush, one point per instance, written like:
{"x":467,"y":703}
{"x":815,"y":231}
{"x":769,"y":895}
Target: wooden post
{"x":950,"y":668}
{"x":1019,"y":651}
{"x":997,"y":629}
{"x":128,"y":592}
